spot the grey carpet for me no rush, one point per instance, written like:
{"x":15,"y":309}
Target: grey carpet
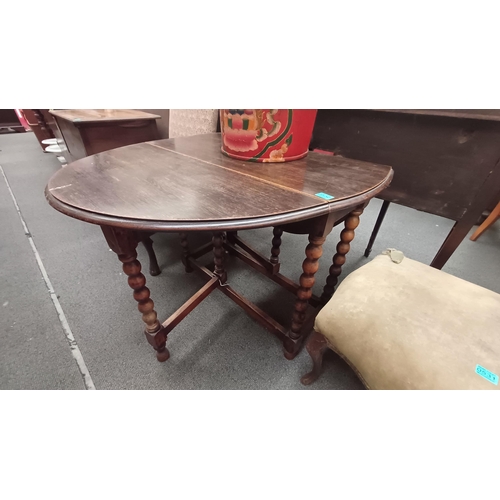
{"x":217,"y":346}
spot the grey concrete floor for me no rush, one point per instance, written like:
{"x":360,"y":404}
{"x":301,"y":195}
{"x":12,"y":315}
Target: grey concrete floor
{"x":217,"y":346}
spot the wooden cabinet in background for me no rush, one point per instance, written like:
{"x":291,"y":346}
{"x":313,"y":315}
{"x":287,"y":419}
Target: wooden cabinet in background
{"x":84,"y":132}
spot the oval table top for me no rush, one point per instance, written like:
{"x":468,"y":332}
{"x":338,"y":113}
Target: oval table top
{"x":188,"y":184}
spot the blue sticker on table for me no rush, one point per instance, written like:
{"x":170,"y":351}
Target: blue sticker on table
{"x":325,"y":196}
{"x":489,"y":376}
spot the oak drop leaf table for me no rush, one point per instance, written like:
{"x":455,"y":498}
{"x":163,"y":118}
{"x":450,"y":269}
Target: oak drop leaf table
{"x":187,"y":184}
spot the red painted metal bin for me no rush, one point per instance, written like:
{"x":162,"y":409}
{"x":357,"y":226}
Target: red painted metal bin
{"x":267,"y":135}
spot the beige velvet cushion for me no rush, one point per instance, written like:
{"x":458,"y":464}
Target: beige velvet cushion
{"x":410,"y":326}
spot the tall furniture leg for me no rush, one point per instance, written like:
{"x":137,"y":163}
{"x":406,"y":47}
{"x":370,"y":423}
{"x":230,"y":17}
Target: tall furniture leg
{"x":457,"y":234}
{"x":380,"y":219}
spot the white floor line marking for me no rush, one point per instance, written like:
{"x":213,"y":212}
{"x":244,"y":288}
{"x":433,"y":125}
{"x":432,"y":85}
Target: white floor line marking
{"x":75,"y":351}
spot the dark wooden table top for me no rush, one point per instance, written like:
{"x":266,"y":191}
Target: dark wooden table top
{"x":102,"y":115}
{"x":188,"y":184}
{"x":473,"y":114}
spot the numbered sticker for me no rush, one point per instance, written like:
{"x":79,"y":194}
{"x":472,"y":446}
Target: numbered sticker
{"x":325,"y":196}
{"x":489,"y":376}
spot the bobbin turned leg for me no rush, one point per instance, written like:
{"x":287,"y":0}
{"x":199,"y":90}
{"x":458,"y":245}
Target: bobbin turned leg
{"x":219,"y":254}
{"x":275,"y":250}
{"x":343,"y":247}
{"x":124,"y":243}
{"x":310,"y":267}
{"x":185,"y":252}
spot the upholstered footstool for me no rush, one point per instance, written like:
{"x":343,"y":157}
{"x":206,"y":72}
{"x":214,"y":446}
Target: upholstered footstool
{"x":409,"y":326}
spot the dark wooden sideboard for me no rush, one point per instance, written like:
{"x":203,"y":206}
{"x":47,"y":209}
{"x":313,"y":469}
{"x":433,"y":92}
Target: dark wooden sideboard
{"x":446,"y":162}
{"x":84,"y":132}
